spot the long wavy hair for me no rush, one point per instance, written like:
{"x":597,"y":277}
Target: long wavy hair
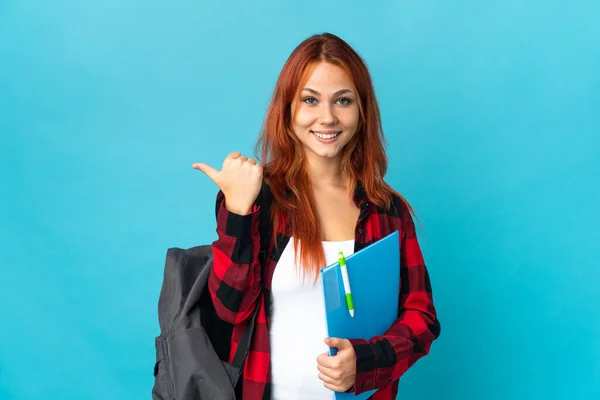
{"x":282,"y":154}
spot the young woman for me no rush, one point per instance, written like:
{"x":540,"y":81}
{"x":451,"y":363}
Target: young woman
{"x":323,"y":162}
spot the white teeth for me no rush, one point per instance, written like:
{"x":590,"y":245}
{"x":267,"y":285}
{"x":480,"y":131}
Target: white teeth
{"x":326,"y":135}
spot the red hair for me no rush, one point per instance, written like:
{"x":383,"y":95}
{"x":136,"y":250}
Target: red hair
{"x":363,"y":159}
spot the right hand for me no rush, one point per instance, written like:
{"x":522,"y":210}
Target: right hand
{"x":240,"y":180}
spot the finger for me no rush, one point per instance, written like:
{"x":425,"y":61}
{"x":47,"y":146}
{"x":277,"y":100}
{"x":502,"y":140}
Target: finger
{"x":234,"y":155}
{"x":327,"y":379}
{"x":327,"y":361}
{"x":322,"y":358}
{"x":252,"y":161}
{"x":207,"y":169}
{"x":335,"y":388}
{"x":243,"y":158}
{"x":330,"y":373}
{"x":338,"y":343}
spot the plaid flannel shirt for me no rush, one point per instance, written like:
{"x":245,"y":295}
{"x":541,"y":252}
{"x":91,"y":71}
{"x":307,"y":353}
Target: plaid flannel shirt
{"x":237,"y":281}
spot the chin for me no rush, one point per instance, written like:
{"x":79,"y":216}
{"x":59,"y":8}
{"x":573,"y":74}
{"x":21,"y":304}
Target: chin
{"x":326,"y":154}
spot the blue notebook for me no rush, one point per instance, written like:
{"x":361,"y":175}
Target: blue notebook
{"x":374,"y":275}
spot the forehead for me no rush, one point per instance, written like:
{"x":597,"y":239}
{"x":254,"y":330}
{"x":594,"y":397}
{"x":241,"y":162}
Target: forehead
{"x":326,"y":77}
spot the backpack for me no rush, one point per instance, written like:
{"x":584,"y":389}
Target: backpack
{"x":193,"y":343}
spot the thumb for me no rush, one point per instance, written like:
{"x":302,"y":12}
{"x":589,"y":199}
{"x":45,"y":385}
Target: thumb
{"x":207,"y":169}
{"x":340,"y":344}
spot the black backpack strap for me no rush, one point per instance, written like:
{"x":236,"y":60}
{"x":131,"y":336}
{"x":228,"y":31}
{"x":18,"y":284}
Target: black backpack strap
{"x":264,"y":200}
{"x":244,"y":345}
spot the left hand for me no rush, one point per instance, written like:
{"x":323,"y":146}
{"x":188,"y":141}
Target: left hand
{"x":338,"y":372}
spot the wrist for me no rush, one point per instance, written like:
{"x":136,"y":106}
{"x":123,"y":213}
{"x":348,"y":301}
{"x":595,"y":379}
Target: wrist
{"x":236,"y":209}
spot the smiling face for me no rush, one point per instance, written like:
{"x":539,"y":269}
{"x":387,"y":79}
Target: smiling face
{"x":327,"y":112}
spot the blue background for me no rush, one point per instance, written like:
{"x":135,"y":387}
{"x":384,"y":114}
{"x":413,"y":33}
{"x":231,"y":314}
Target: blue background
{"x":492,"y":111}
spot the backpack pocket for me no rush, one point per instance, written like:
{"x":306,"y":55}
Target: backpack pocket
{"x":163,"y":386}
{"x":199,"y":372}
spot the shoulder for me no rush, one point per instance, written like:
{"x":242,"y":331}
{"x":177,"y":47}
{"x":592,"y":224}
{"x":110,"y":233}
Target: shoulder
{"x":399,"y":209}
{"x":265,"y":195}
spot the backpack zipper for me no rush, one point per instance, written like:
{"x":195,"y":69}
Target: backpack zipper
{"x":167,"y":358}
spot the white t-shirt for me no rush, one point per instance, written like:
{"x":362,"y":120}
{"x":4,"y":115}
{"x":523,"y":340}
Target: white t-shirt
{"x":298,"y":326}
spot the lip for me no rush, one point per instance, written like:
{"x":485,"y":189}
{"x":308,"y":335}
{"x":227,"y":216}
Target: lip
{"x":327,"y":132}
{"x":326,"y":141}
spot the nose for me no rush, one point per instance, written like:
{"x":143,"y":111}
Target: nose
{"x":327,"y":116}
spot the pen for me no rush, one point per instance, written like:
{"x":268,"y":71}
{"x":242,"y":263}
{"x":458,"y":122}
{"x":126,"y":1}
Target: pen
{"x":347,"y":289}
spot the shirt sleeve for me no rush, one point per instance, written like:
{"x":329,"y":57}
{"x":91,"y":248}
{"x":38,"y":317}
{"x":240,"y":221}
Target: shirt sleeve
{"x":383,"y":359}
{"x":235,"y":279}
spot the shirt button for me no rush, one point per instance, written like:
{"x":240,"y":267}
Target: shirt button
{"x":360,"y":231}
{"x":363,"y":386}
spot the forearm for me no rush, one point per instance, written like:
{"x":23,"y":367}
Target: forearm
{"x":235,"y":279}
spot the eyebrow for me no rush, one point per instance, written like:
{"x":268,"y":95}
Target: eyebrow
{"x":335,"y":94}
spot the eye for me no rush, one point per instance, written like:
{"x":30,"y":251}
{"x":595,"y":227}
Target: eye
{"x":344,"y":101}
{"x":309,"y":100}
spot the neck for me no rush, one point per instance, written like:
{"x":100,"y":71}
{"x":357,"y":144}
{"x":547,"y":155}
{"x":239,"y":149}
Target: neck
{"x":323,"y":171}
